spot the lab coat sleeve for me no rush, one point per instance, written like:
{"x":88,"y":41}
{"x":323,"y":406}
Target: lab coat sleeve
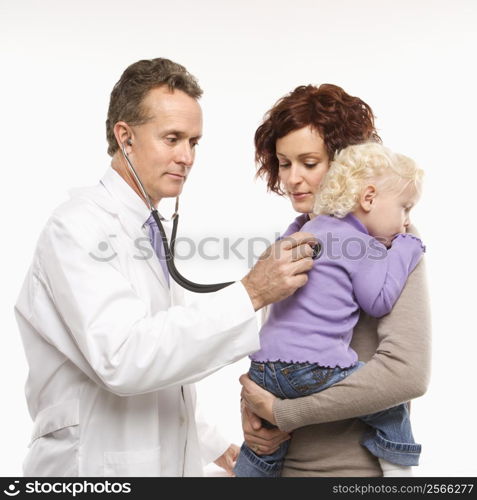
{"x":264,"y":314}
{"x":130,"y":350}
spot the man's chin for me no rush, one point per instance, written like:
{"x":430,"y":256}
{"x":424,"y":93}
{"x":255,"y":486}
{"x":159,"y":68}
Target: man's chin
{"x":170,"y":193}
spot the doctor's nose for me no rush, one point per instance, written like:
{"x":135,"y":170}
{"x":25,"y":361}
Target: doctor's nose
{"x":185,"y":154}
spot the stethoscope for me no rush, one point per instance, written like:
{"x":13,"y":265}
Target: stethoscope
{"x":169,"y":251}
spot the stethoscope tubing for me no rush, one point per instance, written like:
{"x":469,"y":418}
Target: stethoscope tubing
{"x":174,"y":273}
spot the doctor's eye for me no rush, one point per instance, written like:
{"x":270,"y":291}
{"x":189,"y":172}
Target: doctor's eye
{"x":171,"y":139}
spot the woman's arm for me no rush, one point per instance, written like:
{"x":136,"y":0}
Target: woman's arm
{"x":397,"y":372}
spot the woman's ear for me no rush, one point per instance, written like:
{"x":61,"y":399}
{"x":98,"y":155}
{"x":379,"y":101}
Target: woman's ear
{"x":367,"y":198}
{"x":123,"y":133}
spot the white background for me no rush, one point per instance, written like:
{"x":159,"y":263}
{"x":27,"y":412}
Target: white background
{"x":412,"y":61}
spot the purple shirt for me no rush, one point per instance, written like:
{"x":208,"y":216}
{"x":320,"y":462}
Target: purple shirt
{"x":354,"y":271}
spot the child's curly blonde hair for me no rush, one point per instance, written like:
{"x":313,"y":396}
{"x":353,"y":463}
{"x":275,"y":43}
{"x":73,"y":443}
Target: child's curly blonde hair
{"x":357,"y":166}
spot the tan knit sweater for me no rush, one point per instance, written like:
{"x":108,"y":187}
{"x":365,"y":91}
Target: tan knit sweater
{"x":326,"y":436}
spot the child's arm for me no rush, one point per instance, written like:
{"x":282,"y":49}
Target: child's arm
{"x":378,"y":279}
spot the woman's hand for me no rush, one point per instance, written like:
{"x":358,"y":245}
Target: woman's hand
{"x":259,"y":439}
{"x":257,"y":400}
{"x":228,"y":458}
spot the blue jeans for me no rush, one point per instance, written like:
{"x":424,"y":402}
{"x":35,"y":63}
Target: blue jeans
{"x":390,"y":435}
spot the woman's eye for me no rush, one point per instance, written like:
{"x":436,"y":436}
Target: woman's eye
{"x":311,"y":165}
{"x":283,"y":165}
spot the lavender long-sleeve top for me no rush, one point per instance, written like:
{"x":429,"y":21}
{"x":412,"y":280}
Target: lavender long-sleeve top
{"x":354,"y":271}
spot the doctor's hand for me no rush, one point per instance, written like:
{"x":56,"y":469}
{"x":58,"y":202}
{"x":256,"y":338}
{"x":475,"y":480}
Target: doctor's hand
{"x":280,"y":270}
{"x":228,"y":458}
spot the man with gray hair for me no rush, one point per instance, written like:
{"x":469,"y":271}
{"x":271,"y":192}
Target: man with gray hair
{"x":113,"y":349}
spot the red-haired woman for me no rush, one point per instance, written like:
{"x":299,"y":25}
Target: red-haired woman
{"x":294,"y":146}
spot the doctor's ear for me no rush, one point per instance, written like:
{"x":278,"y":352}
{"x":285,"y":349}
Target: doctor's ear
{"x":123,"y":134}
{"x":368,"y":197}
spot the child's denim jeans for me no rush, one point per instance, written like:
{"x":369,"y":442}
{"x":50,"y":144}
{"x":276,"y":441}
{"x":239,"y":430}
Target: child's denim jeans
{"x":390,"y":436}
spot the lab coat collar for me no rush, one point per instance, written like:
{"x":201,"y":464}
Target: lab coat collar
{"x":122,"y":192}
{"x":114,"y":195}
{"x":131,"y":210}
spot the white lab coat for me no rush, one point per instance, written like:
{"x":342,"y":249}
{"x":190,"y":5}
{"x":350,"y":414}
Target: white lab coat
{"x":112,"y":351}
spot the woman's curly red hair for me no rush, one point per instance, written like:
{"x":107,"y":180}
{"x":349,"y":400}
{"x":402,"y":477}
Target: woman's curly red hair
{"x":341,"y":119}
